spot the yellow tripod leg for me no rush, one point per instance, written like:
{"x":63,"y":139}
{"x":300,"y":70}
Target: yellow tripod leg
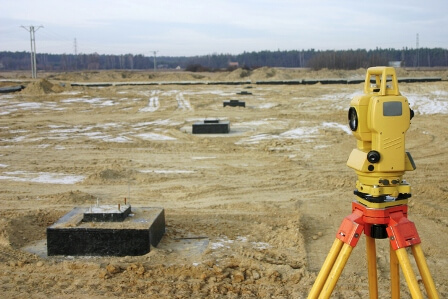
{"x":424,"y":271}
{"x":408,"y":273}
{"x":371,"y":267}
{"x":326,"y":267}
{"x":336,"y":271}
{"x":394,"y":275}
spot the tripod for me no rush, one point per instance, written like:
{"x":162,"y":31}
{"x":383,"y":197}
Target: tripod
{"x":376,"y":223}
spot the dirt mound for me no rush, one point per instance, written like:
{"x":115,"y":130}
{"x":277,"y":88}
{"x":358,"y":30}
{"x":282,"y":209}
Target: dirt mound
{"x":42,"y":86}
{"x":267,"y":73}
{"x":115,"y":174}
{"x":20,"y":228}
{"x":3,"y":236}
{"x":72,"y":197}
{"x":264,"y":73}
{"x":238,"y":74}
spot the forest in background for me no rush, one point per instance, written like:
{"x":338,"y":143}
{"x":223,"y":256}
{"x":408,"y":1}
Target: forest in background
{"x":314,"y":59}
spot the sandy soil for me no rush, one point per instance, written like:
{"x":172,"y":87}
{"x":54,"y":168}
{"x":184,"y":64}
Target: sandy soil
{"x":250,"y":214}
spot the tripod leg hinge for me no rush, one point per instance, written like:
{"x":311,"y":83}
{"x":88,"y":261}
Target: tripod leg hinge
{"x":351,"y":229}
{"x":401,"y":231}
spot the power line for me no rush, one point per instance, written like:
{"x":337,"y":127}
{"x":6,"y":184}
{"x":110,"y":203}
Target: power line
{"x":32,"y":30}
{"x":53,"y":42}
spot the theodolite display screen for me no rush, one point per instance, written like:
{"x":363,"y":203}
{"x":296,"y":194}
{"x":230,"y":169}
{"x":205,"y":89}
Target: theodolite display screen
{"x":392,"y":109}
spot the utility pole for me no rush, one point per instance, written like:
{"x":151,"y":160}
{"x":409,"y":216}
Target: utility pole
{"x":32,"y":30}
{"x":417,"y":45}
{"x":75,"y":44}
{"x":155,"y":53}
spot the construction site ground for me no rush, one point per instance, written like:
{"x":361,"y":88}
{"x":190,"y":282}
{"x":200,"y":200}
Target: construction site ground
{"x":249,"y":214}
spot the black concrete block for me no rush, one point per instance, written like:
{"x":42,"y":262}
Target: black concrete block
{"x":211,"y":126}
{"x":70,"y":235}
{"x":234,"y":103}
{"x":8,"y":89}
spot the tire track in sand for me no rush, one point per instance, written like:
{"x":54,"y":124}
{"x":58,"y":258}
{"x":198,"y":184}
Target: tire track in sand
{"x":153,"y":104}
{"x":182,"y":103}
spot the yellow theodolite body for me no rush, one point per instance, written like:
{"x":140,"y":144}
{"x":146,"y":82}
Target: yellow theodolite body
{"x":379,"y":119}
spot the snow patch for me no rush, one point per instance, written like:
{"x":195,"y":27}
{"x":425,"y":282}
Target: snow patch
{"x":41,"y":177}
{"x":344,"y":128}
{"x":182,"y":103}
{"x":202,"y":158}
{"x":436,"y":104}
{"x":154,"y":136}
{"x":267,"y":106}
{"x":165,"y":171}
{"x":305,"y":133}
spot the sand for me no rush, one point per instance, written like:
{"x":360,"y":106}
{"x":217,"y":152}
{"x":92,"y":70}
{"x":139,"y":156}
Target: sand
{"x":249,"y":214}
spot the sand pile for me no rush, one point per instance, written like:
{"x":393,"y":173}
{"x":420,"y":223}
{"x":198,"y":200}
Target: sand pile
{"x":3,"y":235}
{"x":267,"y":73}
{"x":42,"y":86}
{"x":263,"y":73}
{"x":238,"y":74}
{"x":72,"y":197}
{"x":23,"y":227}
{"x":113,"y":173}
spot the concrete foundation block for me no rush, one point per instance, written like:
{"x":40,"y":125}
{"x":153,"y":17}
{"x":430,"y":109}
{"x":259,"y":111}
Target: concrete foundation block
{"x":234,"y":103}
{"x":211,"y":126}
{"x":71,"y":235}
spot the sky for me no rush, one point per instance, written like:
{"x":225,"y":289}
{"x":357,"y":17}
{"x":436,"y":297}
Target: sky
{"x":203,"y":27}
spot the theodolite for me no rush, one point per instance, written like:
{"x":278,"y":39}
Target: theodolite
{"x":379,"y":119}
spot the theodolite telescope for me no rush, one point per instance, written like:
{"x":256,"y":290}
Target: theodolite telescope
{"x":379,"y":119}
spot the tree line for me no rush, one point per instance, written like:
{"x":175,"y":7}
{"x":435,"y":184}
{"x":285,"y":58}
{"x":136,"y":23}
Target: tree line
{"x":315,"y":59}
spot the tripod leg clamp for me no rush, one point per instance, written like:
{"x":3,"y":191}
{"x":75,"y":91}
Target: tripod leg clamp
{"x":401,"y":231}
{"x":351,"y":228}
